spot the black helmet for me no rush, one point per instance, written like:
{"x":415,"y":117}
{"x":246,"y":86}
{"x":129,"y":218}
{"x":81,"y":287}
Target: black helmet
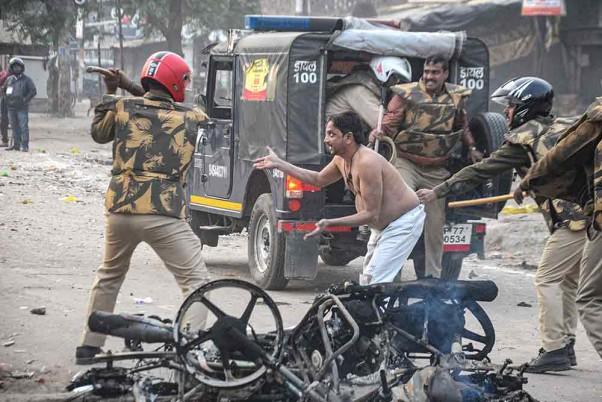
{"x":532,"y":97}
{"x":15,"y":61}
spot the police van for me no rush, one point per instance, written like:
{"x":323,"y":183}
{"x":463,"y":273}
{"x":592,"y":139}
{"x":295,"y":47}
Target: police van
{"x":266,"y":86}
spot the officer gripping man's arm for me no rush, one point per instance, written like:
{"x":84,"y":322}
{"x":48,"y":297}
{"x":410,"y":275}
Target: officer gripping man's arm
{"x":528,"y":101}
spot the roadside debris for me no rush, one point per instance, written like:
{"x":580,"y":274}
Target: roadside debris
{"x":70,"y":198}
{"x":526,"y":265}
{"x":146,"y":300}
{"x":22,"y":374}
{"x":38,"y":310}
{"x":524,"y":304}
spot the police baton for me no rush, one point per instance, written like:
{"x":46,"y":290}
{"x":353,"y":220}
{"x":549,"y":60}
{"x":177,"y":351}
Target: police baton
{"x":481,"y":201}
{"x":99,"y":70}
{"x":381,"y":114}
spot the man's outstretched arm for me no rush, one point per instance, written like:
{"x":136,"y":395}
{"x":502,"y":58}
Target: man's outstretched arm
{"x":326,"y":176}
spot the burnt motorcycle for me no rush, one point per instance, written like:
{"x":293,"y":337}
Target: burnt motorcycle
{"x":424,"y":340}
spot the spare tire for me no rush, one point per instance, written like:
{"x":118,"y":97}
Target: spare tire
{"x":489,"y":131}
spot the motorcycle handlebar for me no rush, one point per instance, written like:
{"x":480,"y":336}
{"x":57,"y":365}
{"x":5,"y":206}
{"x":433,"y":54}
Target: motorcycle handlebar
{"x":131,"y":327}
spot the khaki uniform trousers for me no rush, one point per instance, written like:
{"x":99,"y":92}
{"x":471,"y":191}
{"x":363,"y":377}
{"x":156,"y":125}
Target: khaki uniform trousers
{"x":418,"y":177}
{"x":173,"y":241}
{"x":556,"y":286}
{"x":589,"y":292}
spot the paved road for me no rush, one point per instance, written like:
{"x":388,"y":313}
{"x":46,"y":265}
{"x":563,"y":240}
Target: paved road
{"x":50,"y":247}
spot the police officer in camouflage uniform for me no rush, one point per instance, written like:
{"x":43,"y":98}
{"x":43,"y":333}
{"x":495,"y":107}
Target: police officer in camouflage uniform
{"x":426,"y":119}
{"x":533,"y":132}
{"x":572,"y":171}
{"x":153,"y":143}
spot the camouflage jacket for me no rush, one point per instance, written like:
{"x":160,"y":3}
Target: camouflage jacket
{"x":523,"y":147}
{"x":153,"y":144}
{"x":572,"y":170}
{"x":425,"y":128}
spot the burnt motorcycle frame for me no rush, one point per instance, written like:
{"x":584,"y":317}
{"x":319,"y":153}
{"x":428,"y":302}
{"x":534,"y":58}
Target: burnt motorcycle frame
{"x":280,"y":355}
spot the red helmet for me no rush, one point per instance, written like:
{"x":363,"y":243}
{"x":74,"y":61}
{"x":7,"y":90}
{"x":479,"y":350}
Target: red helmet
{"x":168,"y":69}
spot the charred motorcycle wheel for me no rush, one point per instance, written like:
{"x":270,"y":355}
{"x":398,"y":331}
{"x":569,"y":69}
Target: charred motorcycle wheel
{"x":485,"y":338}
{"x":208,"y":350}
{"x":266,"y":246}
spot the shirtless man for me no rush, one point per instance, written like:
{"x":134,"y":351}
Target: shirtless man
{"x":383,"y":200}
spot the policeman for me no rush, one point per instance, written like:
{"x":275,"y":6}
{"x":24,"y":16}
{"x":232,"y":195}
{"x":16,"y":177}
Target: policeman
{"x":360,"y":91}
{"x":572,"y":170}
{"x":153,"y":142}
{"x":426,"y":119}
{"x":528,"y":101}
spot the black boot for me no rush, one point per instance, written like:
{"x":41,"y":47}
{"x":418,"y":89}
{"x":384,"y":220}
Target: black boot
{"x":85,"y":354}
{"x":555,"y":360}
{"x":570,"y":350}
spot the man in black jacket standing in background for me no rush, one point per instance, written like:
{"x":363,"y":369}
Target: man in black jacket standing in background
{"x":19,"y":91}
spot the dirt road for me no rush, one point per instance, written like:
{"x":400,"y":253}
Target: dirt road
{"x":51,"y":235}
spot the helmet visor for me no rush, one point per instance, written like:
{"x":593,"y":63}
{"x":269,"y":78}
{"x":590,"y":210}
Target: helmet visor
{"x":500,"y":95}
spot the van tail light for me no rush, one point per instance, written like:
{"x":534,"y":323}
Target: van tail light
{"x":294,"y":205}
{"x":295,"y":188}
{"x":480,"y":228}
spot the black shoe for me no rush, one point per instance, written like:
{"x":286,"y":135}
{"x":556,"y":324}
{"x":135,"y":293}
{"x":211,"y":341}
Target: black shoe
{"x":570,"y":350}
{"x":24,"y":149}
{"x":85,"y":354}
{"x":13,"y":148}
{"x":555,"y":360}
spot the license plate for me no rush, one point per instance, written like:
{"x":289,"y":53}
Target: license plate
{"x":457,"y":237}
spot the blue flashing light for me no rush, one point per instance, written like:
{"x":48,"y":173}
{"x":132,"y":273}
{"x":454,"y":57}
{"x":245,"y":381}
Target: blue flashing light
{"x":276,"y":23}
{"x":292,"y":23}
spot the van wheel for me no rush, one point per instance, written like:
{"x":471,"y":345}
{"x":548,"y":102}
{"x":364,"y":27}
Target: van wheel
{"x":266,"y":246}
{"x":451,"y":266}
{"x":336,"y":258}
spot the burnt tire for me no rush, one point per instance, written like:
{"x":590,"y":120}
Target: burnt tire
{"x":336,"y":258}
{"x":451,"y":264}
{"x":486,"y":339}
{"x":489,"y":130}
{"x":266,"y":247}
